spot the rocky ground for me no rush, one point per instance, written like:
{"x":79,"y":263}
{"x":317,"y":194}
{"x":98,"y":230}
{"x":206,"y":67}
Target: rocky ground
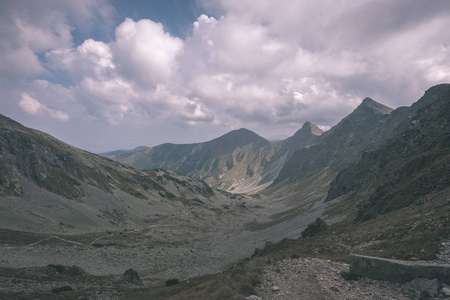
{"x":312,"y":278}
{"x":182,"y":245}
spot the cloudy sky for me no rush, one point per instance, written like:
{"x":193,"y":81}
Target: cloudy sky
{"x":104,"y":75}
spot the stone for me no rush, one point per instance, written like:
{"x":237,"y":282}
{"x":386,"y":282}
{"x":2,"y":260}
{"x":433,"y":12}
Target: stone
{"x":423,"y":287}
{"x":253,"y":297}
{"x":132,"y":276}
{"x":446,"y":291}
{"x":314,"y":228}
{"x":396,"y":270}
{"x":275,"y":289}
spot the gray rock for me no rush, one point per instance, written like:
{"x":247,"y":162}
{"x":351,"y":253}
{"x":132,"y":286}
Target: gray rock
{"x":132,"y":276}
{"x":317,"y":226}
{"x":253,"y":297}
{"x":423,"y":287}
{"x":445,"y":290}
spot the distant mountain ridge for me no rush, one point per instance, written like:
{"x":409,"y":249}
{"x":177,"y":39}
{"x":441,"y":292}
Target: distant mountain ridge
{"x":239,"y":161}
{"x":242,"y":161}
{"x":122,"y":151}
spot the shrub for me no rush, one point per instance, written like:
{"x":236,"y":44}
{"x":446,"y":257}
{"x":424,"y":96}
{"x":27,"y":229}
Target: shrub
{"x":65,"y":288}
{"x":172,"y":281}
{"x":58,"y":268}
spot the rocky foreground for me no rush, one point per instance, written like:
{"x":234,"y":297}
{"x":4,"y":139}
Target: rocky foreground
{"x":299,"y":278}
{"x":312,"y":278}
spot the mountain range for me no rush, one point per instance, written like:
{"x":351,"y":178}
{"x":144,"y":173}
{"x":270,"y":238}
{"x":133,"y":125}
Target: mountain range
{"x":240,"y":161}
{"x":380,"y":178}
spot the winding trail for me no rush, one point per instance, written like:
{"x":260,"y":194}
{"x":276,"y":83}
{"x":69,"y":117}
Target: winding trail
{"x":108,"y":235}
{"x":55,"y":237}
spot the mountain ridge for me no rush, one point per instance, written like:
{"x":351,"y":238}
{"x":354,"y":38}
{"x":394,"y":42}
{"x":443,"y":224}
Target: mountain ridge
{"x":93,"y":188}
{"x":238,"y":161}
{"x":379,"y":179}
{"x":414,"y":162}
{"x":338,"y":146}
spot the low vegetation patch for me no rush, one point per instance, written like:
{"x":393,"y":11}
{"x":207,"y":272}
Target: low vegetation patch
{"x":172,"y":281}
{"x":65,"y":288}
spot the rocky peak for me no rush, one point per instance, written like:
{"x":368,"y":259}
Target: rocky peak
{"x":368,"y":111}
{"x":313,"y":128}
{"x":308,"y":130}
{"x":239,"y":137}
{"x":369,"y":105}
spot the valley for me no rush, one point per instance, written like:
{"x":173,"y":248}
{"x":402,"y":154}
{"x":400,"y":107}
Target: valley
{"x":224,"y":216}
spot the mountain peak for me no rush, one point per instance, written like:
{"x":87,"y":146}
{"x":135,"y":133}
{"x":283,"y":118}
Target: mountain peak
{"x":312,"y":128}
{"x":238,"y":137}
{"x":370,"y":105}
{"x":238,"y":133}
{"x":308,"y":129}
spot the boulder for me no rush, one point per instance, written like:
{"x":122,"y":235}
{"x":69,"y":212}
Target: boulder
{"x":445,"y":290}
{"x":423,"y":287}
{"x":132,"y":276}
{"x":317,"y":226}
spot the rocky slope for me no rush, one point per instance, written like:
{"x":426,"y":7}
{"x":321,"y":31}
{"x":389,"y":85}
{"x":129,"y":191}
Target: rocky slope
{"x":239,"y":161}
{"x":363,"y":129}
{"x":47,"y":185}
{"x":412,"y":164}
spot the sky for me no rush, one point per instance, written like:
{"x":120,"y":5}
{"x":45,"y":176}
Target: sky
{"x":105,"y":75}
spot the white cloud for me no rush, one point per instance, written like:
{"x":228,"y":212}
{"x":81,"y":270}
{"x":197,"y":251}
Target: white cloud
{"x":33,"y":107}
{"x":268,"y":64}
{"x":29,"y":28}
{"x":91,"y":59}
{"x":234,"y":44}
{"x":30,"y":105}
{"x":145,"y":53}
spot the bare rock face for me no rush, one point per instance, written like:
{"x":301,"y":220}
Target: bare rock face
{"x":317,"y":226}
{"x":132,"y":276}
